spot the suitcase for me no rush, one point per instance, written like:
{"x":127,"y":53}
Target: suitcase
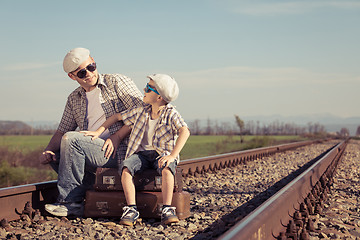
{"x":108,"y":179}
{"x":110,"y":204}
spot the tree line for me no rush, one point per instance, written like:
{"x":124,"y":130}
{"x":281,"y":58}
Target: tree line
{"x":197,"y":127}
{"x":240,"y":127}
{"x":21,"y":128}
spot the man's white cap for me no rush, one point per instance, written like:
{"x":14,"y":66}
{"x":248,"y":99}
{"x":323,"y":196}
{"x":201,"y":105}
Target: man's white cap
{"x":75,"y":58}
{"x":166,"y":86}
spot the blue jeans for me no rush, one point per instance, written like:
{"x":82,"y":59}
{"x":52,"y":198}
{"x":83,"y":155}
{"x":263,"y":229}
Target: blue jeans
{"x":142,"y":160}
{"x":78,"y":160}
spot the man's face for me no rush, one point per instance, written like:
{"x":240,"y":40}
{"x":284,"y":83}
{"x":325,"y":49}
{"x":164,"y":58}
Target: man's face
{"x":89,"y":81}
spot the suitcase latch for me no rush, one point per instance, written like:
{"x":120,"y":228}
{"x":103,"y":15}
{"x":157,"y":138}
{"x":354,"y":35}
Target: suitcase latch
{"x":103,"y":207}
{"x":158,"y":182}
{"x":110,"y":180}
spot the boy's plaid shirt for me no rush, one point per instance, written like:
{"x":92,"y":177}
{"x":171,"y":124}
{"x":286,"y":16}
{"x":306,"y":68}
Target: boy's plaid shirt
{"x":166,"y":130}
{"x":118,"y":93}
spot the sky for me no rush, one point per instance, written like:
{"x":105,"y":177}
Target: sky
{"x":229,"y":57}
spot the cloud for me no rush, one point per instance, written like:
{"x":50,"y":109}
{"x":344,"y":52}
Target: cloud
{"x":28,"y":66}
{"x":290,"y":8}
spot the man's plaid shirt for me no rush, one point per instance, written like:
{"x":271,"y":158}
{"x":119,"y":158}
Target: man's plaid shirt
{"x":166,"y":130}
{"x":118,"y":93}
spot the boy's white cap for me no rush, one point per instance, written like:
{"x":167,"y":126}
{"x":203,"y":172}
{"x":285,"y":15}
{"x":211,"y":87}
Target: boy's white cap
{"x":166,"y":86}
{"x":75,"y":58}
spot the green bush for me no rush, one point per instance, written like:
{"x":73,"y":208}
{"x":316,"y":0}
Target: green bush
{"x":13,"y":176}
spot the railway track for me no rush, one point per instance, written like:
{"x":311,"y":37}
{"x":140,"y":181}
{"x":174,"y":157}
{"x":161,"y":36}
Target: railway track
{"x":286,"y":214}
{"x":39,"y":194}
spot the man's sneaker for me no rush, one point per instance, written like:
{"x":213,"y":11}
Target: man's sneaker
{"x":65,"y":209}
{"x":168,"y":215}
{"x":129,"y":216}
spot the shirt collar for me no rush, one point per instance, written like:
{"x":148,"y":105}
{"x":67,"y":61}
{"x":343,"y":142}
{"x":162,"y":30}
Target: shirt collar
{"x":101,"y":79}
{"x":147,"y":109}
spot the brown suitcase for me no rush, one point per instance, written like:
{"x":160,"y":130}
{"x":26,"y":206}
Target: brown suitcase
{"x":108,"y":179}
{"x":110,"y":204}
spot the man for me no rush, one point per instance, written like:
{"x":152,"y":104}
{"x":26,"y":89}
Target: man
{"x":74,"y":156}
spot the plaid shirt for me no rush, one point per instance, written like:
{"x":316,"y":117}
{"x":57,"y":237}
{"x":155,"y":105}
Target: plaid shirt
{"x":118,"y":93}
{"x":166,"y":130}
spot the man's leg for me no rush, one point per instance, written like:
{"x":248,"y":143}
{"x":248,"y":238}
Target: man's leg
{"x":79,"y":157}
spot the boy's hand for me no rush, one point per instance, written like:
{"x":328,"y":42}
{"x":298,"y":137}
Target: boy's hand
{"x":165,"y":161}
{"x":91,"y":133}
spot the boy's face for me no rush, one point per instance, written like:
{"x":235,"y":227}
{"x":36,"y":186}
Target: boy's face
{"x":150,"y":96}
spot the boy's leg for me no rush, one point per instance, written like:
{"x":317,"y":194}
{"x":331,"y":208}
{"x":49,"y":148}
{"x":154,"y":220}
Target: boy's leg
{"x":128,"y":186}
{"x":168,"y":214}
{"x":130,"y":212}
{"x":167,"y":188}
{"x":128,"y":168}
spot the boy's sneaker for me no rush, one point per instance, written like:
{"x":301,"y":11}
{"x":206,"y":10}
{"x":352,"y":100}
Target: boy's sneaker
{"x":65,"y":209}
{"x":129,"y":216}
{"x":168,"y":215}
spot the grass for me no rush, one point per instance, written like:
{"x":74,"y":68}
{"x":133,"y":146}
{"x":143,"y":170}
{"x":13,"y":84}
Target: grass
{"x":19,"y":162}
{"x":196,"y":144}
{"x":24,"y":144}
{"x":201,"y":146}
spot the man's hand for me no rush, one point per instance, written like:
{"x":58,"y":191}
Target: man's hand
{"x":112,"y":143}
{"x":94,"y":134}
{"x":47,"y":157}
{"x":110,"y":146}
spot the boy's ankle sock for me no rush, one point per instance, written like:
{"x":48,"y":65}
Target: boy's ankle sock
{"x":164,"y":206}
{"x":133,"y":206}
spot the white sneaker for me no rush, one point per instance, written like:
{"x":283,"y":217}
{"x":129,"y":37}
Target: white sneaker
{"x":65,"y":209}
{"x":168,"y":215}
{"x":129,"y":216}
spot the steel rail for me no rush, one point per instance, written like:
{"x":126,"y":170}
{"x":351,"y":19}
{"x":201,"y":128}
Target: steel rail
{"x":212,"y":163}
{"x":38,"y":194}
{"x":267,"y":221}
{"x":13,"y":199}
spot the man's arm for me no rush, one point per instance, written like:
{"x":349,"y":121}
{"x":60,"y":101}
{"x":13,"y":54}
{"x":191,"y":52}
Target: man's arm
{"x":128,"y":92}
{"x":111,"y":144}
{"x":54,"y":146}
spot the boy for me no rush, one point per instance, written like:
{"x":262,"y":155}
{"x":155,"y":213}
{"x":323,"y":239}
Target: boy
{"x":158,"y":134}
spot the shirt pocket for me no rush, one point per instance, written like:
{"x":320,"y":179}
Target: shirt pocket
{"x":165,"y":136}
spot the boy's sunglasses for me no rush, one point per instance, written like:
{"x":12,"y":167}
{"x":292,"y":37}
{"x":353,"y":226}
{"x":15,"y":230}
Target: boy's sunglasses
{"x":148,"y":89}
{"x":82,"y":73}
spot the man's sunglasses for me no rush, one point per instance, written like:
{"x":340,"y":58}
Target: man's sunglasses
{"x":82,"y":73}
{"x":148,"y":89}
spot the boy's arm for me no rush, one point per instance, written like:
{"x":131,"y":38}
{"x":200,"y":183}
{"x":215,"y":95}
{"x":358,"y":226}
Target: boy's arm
{"x":110,"y":121}
{"x":184,"y":134}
